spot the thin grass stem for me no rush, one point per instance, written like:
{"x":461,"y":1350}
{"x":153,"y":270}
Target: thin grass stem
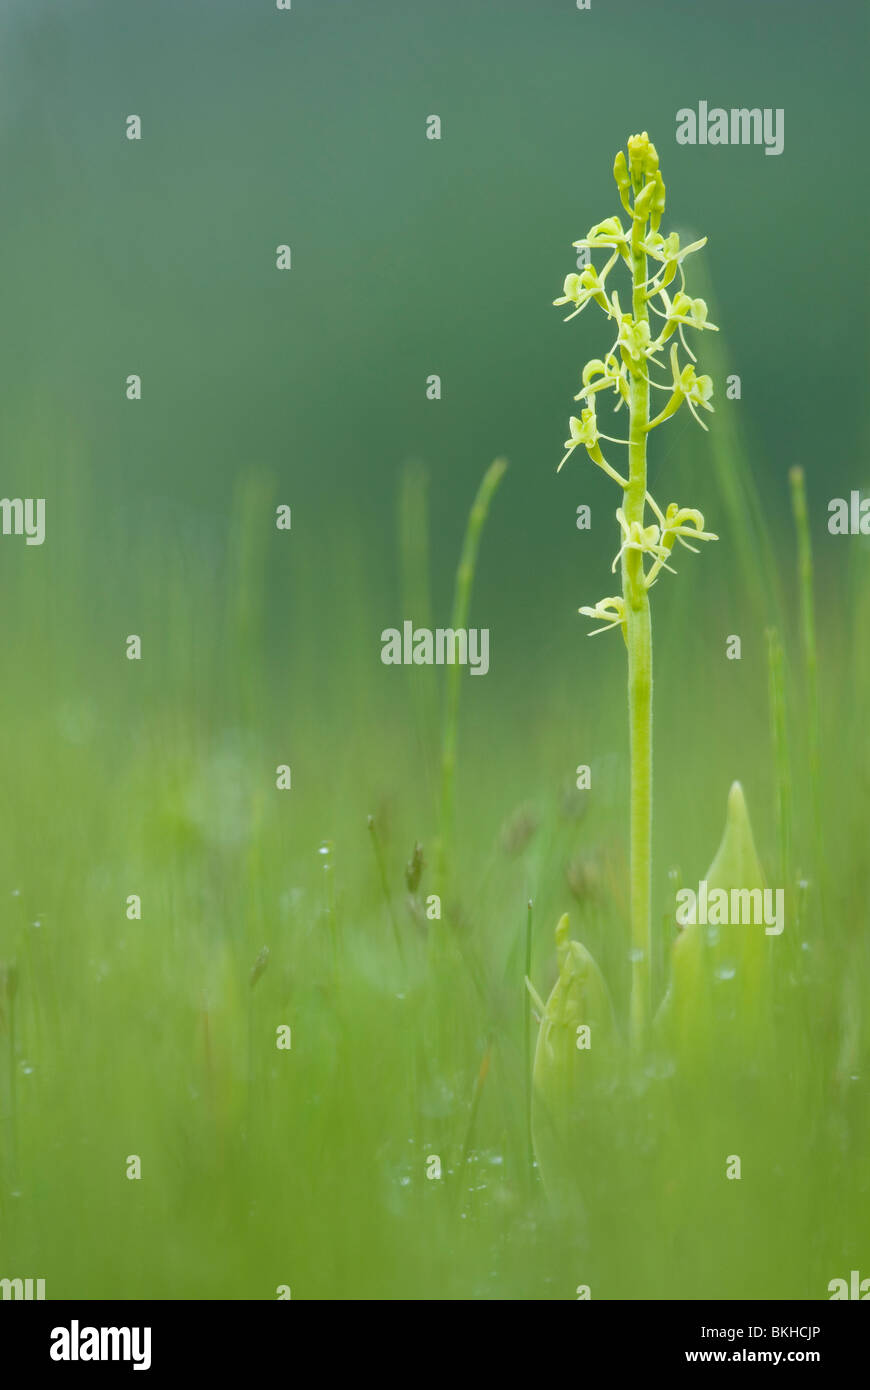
{"x":779,"y":736}
{"x":811,"y":669}
{"x":461,"y":604}
{"x":385,"y":886}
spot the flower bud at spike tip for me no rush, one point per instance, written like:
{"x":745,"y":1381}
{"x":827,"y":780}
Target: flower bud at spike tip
{"x":623,"y":182}
{"x":638,"y":159}
{"x":658,"y":202}
{"x":643,"y":201}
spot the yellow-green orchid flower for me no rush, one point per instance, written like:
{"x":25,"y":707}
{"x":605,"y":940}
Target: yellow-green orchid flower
{"x":582,"y":431}
{"x":585,"y":431}
{"x":610,"y":233}
{"x":679,"y":311}
{"x":610,"y":611}
{"x":679,"y":522}
{"x":579,"y":289}
{"x":598,"y":375}
{"x":667,"y":251}
{"x":636,"y":536}
{"x":675,"y":525}
{"x":634,"y":341}
{"x":694,"y":390}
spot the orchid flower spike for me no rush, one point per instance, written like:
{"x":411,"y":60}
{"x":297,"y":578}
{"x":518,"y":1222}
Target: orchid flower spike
{"x":653,"y":260}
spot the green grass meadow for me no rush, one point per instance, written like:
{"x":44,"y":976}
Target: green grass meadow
{"x":306,"y":1167}
{"x":387,"y":1154}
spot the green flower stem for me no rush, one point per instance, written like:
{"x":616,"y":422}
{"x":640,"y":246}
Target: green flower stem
{"x":639,"y":640}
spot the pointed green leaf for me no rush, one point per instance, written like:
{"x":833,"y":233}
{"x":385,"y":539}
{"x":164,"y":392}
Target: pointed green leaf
{"x":576,"y":1066}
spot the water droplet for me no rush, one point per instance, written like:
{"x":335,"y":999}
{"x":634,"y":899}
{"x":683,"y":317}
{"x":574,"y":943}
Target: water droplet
{"x":712,"y":936}
{"x":37,"y":923}
{"x":26,"y":1069}
{"x":16,"y":892}
{"x":636,"y":953}
{"x":726,"y":971}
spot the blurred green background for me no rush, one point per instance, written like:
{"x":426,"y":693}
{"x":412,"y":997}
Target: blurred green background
{"x":261,"y":647}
